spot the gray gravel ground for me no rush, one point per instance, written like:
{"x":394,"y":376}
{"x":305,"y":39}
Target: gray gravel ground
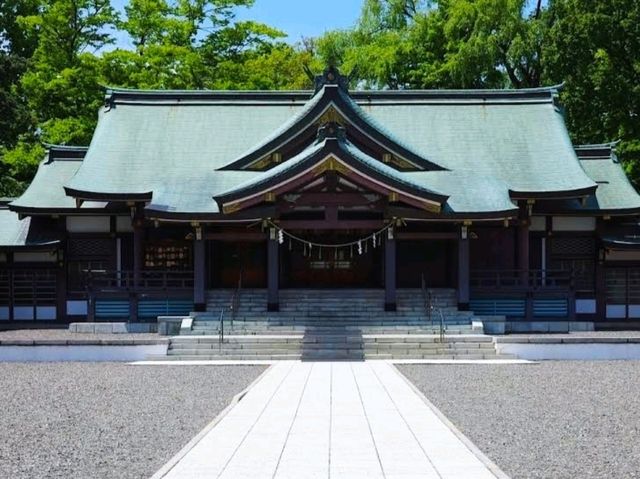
{"x":106,"y":420}
{"x":39,"y":334}
{"x":569,"y":419}
{"x":577,"y":334}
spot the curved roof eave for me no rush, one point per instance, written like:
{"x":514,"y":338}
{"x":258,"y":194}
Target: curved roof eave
{"x":328,"y":96}
{"x":316,"y":154}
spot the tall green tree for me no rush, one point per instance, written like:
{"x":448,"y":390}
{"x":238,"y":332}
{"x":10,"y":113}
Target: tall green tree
{"x":451,"y":44}
{"x":594,"y":47}
{"x":61,"y":83}
{"x":186,"y":44}
{"x":16,"y":48}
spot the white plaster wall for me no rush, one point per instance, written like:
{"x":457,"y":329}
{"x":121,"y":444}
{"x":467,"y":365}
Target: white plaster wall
{"x":574,"y":223}
{"x":585,"y":352}
{"x":88,"y":224}
{"x":123,"y":224}
{"x":622,"y":255}
{"x":538,"y":223}
{"x":77,"y":308}
{"x":80,"y":353}
{"x":35,"y":257}
{"x":585,"y":306}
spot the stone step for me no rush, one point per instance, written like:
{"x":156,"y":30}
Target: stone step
{"x":319,"y":357}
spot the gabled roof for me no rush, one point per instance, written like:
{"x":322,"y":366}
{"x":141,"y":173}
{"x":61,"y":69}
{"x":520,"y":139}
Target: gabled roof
{"x":46,"y":192}
{"x":330,"y":153}
{"x":27,"y":233}
{"x":615,"y":195}
{"x":148,"y":139}
{"x":331,"y":98}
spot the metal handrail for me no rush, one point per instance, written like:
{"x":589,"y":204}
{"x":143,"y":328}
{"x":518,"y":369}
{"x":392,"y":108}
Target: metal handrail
{"x":235,"y":299}
{"x":221,"y":327}
{"x":430,"y":308}
{"x":426,"y":296}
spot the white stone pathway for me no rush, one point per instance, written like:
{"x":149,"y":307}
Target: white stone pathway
{"x":332,"y":420}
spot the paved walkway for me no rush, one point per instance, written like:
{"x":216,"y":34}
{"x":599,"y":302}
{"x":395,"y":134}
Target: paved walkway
{"x":331,"y":420}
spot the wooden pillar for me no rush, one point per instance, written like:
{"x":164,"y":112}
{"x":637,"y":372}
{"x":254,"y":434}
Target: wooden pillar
{"x":463,"y":269}
{"x":390,"y":271}
{"x":61,"y":275}
{"x":61,"y":291}
{"x":10,"y":271}
{"x":199,"y":269}
{"x":601,"y":288}
{"x":137,"y":267}
{"x":523,"y":263}
{"x":523,"y":246}
{"x":273,"y":271}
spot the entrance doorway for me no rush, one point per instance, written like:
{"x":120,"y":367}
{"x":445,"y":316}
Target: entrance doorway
{"x":303,"y":267}
{"x":227,"y":259}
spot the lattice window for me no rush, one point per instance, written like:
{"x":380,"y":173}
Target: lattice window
{"x":580,"y":246}
{"x":584,"y":271}
{"x":95,"y":247}
{"x":78,"y":270}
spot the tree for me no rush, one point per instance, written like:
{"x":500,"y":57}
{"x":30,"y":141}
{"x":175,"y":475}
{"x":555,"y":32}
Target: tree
{"x":16,"y":47}
{"x":594,"y":47}
{"x":61,"y":82}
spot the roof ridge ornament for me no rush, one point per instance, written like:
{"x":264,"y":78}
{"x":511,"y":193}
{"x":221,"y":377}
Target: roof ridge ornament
{"x":331,"y":130}
{"x":331,"y":76}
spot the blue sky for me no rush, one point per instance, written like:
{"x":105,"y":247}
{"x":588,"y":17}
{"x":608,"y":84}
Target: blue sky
{"x":297,"y":18}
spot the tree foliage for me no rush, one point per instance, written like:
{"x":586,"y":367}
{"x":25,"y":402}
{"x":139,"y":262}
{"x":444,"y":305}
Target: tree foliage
{"x":56,"y":56}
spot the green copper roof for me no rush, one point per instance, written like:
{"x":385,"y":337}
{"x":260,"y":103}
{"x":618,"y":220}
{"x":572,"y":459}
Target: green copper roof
{"x":614,"y":196}
{"x":468,"y":193}
{"x":16,"y":233}
{"x":317,"y":153}
{"x":145,"y":139}
{"x":326,"y":98}
{"x":615,"y":193}
{"x":46,"y":191}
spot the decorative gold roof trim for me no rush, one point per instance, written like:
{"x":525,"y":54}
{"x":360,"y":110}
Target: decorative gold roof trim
{"x":330,"y":164}
{"x":331,"y":115}
{"x":231,"y":207}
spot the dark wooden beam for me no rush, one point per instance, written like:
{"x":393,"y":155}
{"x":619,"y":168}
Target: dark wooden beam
{"x":408,"y":235}
{"x":331,"y":225}
{"x":331,"y":199}
{"x":237,"y":236}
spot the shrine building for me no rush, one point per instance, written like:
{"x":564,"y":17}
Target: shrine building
{"x":181,"y":193}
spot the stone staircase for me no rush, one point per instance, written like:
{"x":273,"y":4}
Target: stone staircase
{"x":331,"y":325}
{"x":303,"y":308}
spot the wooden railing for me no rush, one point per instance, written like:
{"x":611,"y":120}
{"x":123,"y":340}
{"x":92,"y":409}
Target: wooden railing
{"x":521,"y":280}
{"x":147,"y":281}
{"x":28,"y":289}
{"x":526,"y":294}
